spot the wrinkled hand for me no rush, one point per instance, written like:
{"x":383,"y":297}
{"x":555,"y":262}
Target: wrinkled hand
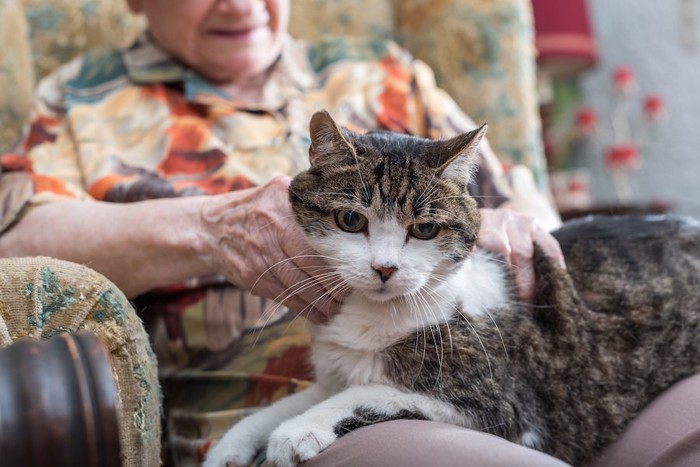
{"x":257,"y":244}
{"x":512,"y":235}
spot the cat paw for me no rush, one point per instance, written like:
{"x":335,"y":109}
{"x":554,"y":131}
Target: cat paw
{"x":295,"y":441}
{"x":238,"y":447}
{"x":226,"y":457}
{"x":229,"y":455}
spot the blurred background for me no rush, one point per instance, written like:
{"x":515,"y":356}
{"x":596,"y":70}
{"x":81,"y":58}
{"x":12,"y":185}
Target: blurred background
{"x":620,"y":100}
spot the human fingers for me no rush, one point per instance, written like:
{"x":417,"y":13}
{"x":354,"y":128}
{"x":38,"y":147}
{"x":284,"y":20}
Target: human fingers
{"x":549,"y":245}
{"x":288,"y":272}
{"x":241,"y":231}
{"x":314,"y":265}
{"x":524,"y":233}
{"x":519,"y":231}
{"x":510,"y":234}
{"x":500,"y":234}
{"x":492,"y":233}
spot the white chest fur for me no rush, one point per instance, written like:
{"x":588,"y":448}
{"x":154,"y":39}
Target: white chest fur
{"x":349,"y":350}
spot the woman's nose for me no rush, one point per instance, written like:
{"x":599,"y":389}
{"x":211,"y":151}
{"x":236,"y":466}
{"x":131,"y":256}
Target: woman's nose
{"x":235,"y":6}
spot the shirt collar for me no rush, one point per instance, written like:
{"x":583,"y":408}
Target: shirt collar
{"x":147,"y":63}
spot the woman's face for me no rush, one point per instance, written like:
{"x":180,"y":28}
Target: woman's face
{"x":223,"y":40}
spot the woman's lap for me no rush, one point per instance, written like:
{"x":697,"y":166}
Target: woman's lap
{"x":421,"y":443}
{"x":665,"y":434}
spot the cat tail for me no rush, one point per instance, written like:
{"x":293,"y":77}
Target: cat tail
{"x":558,"y":305}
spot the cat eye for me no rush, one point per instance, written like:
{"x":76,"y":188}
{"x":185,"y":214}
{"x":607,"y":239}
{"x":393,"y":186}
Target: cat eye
{"x":350,"y":221}
{"x":424,"y":231}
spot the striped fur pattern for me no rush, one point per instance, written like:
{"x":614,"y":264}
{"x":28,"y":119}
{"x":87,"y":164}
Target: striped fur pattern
{"x":432,"y":330}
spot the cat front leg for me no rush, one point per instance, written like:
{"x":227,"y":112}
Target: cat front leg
{"x":302,"y":437}
{"x":241,"y":443}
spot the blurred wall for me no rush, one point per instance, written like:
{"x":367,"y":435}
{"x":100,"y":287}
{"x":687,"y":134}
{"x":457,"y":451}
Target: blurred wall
{"x":647,"y":35}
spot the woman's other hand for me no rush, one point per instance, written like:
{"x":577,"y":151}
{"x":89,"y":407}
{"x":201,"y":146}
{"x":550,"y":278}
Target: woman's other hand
{"x":513,"y":235}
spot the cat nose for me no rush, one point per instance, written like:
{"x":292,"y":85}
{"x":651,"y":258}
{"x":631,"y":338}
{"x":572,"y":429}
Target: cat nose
{"x":385,"y":271}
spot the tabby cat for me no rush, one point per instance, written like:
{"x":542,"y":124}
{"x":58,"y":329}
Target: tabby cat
{"x":433,"y":329}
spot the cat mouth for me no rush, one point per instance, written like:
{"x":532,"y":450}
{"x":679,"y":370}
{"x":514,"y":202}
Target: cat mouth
{"x":386,"y":292}
{"x":377,"y":291}
{"x":381,"y":295}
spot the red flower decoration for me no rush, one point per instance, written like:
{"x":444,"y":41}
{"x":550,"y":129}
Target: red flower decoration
{"x":623,"y":79}
{"x":586,"y":121}
{"x":577,"y":186}
{"x":653,"y":107}
{"x":622,"y":156}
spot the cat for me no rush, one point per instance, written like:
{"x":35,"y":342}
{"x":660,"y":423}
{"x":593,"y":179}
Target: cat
{"x":433,"y":329}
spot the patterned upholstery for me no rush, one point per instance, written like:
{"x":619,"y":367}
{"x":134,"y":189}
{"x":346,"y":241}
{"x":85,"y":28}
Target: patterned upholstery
{"x":16,"y":72}
{"x":65,"y":297}
{"x":487,"y":64}
{"x":62,"y":29}
{"x":482,"y":53}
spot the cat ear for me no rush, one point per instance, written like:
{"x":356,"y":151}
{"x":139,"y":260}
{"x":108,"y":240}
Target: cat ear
{"x":458,"y":154}
{"x":329,"y":144}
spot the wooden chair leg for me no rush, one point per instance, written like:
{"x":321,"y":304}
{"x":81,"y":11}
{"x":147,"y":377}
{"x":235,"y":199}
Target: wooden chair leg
{"x":59,"y":405}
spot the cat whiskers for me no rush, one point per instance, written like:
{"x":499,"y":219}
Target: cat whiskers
{"x":442,"y":198}
{"x":296,"y":316}
{"x":415,"y":311}
{"x":277,"y":219}
{"x":351,"y":196}
{"x":331,"y":279}
{"x":434,"y":326}
{"x":466,"y":319}
{"x":365,"y":191}
{"x":486,"y":311}
{"x":394,"y":313}
{"x":500,"y":336}
{"x":291,"y":259}
{"x":297,"y":288}
{"x":478,"y":337}
{"x":427,"y":192}
{"x":415,"y":314}
{"x":447,"y":215}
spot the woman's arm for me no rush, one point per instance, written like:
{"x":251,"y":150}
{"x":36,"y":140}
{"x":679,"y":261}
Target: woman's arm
{"x":249,"y":236}
{"x":138,"y":246}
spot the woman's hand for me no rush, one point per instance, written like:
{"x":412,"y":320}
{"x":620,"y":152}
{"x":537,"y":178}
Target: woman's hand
{"x":255,"y":241}
{"x":512,"y":235}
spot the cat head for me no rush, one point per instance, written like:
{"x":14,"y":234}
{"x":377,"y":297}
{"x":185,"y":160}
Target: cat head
{"x":390,"y":212}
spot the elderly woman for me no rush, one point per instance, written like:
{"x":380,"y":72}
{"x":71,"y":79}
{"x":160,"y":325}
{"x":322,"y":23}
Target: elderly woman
{"x":165,"y":167}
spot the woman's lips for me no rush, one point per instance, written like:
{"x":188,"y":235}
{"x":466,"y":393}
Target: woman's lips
{"x":236,"y":34}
